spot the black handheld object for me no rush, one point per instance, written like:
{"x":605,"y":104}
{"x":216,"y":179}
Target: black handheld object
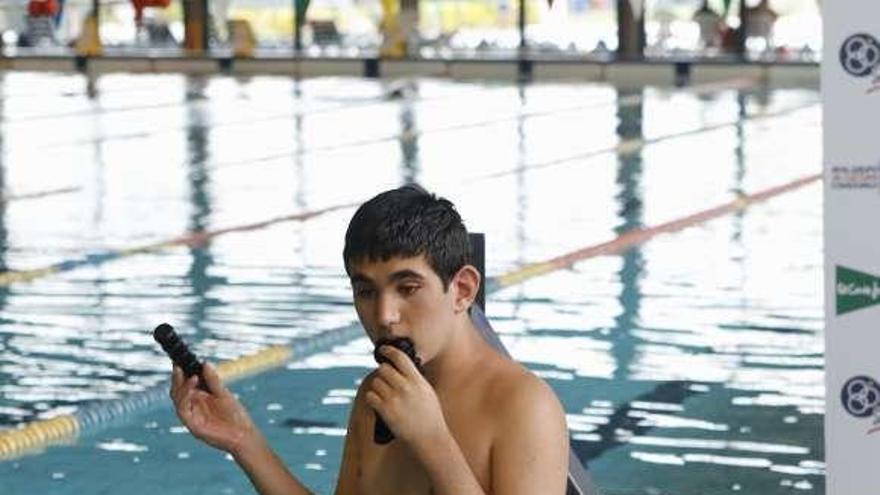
{"x":381,"y":433}
{"x":178,"y":351}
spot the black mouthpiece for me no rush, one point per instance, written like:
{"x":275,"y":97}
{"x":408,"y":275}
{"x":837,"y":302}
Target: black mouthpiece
{"x":382,"y":435}
{"x":177,"y":350}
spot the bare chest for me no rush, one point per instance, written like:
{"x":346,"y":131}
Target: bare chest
{"x":394,"y":469}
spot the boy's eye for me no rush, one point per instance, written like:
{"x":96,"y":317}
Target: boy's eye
{"x":408,"y":290}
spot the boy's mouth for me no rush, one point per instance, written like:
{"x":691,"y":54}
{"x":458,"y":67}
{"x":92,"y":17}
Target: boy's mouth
{"x":405,"y":344}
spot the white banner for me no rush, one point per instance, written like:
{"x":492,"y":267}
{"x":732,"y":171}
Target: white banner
{"x":851,"y":100}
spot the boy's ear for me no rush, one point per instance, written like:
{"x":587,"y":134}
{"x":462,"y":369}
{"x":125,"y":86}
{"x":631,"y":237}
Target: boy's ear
{"x":466,"y":284}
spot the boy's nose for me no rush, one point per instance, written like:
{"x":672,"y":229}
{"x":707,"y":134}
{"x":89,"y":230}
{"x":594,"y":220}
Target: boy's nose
{"x":388,"y":314}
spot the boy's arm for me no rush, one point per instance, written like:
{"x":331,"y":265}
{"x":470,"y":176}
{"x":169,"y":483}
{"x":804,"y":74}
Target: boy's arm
{"x":348,"y":470}
{"x":217,"y":418}
{"x":447,"y":468}
{"x":530,"y":452}
{"x":269,"y":475}
{"x":266,"y":471}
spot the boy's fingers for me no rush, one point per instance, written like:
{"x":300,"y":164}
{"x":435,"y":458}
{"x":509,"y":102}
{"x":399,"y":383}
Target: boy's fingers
{"x":400,"y":361}
{"x":390,"y":374}
{"x":212,"y":379}
{"x":184,"y":407}
{"x":176,"y":382}
{"x":381,"y":387}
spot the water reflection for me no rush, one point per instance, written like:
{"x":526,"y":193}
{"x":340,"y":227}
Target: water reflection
{"x":680,"y":352}
{"x":408,"y":136}
{"x":8,"y":414}
{"x":301,"y":188}
{"x":522,"y":197}
{"x":197,"y":156}
{"x":629,"y":197}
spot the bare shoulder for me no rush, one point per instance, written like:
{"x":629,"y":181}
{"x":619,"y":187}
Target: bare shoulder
{"x":516,"y":391}
{"x":530,"y":437}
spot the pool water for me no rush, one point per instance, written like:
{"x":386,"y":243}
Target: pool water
{"x":689,"y":364}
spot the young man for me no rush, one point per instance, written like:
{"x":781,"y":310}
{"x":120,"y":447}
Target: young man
{"x":473,"y":422}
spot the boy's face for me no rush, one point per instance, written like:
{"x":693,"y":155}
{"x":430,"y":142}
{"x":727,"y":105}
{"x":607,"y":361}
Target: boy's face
{"x":404,"y":297}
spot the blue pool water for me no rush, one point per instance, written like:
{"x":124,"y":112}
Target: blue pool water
{"x":690,"y":364}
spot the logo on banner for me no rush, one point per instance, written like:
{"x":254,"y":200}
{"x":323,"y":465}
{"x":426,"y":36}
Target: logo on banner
{"x":855,"y":177}
{"x":860,"y":396}
{"x":855,"y":290}
{"x":860,"y":57}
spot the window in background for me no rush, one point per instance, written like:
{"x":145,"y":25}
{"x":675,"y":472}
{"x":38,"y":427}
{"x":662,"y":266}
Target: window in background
{"x":49,"y":26}
{"x":13,"y":22}
{"x":574,"y":27}
{"x":470,"y":27}
{"x":160,"y":27}
{"x":673,"y":27}
{"x":798,"y":30}
{"x":71,"y":17}
{"x":270,"y":20}
{"x":118,"y":28}
{"x":781,"y":29}
{"x":331,"y":27}
{"x":445,"y":27}
{"x":342,"y":27}
{"x":492,"y":27}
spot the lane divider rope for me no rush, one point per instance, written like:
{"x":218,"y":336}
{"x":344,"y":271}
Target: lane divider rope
{"x":639,"y":236}
{"x":624,"y":148}
{"x":39,"y":194}
{"x":66,"y":429}
{"x":192,"y":239}
{"x":38,"y":435}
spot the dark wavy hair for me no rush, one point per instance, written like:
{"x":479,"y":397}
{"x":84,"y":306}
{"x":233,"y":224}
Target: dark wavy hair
{"x":408,"y":221}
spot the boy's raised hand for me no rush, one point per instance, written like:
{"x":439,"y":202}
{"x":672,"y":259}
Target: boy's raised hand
{"x":216,"y":416}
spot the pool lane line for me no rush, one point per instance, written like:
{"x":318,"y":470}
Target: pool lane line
{"x":629,"y":147}
{"x":36,"y":436}
{"x":192,"y":239}
{"x":195,"y":239}
{"x":39,"y":194}
{"x":626,"y":147}
{"x":337,"y":105}
{"x":626,"y":101}
{"x":380,"y":100}
{"x":635,"y":237}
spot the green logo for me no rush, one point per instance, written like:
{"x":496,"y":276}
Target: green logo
{"x":856,"y":290}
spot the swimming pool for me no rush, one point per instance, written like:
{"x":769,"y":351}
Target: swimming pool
{"x":688,"y":364}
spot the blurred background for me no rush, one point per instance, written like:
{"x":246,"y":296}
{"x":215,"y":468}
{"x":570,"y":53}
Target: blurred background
{"x":647,"y":175}
{"x":779,"y":29}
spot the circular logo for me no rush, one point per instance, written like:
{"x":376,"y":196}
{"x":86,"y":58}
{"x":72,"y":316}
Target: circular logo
{"x":859,"y":54}
{"x":860,"y":396}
